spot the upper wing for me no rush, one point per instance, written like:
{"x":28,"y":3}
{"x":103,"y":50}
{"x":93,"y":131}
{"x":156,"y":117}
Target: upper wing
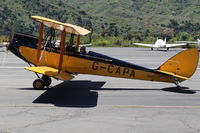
{"x":195,"y":42}
{"x":175,"y":45}
{"x":74,"y":29}
{"x":146,"y":45}
{"x":52,"y":72}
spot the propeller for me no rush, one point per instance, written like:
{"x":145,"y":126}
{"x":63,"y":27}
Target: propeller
{"x":7,"y":47}
{"x":10,"y":39}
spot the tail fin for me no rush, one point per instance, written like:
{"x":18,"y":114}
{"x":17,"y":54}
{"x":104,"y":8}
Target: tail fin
{"x":165,"y":40}
{"x":182,"y":64}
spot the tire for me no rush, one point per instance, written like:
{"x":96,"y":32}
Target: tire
{"x":38,"y":84}
{"x":47,"y":80}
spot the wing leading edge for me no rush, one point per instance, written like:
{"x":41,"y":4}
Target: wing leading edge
{"x":52,"y":72}
{"x":175,"y":45}
{"x":146,"y":45}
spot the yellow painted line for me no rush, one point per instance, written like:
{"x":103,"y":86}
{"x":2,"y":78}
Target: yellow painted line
{"x":10,"y":67}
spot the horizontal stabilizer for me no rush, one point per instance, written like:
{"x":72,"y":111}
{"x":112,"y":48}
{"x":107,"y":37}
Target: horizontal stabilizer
{"x":52,"y":72}
{"x":175,"y":75}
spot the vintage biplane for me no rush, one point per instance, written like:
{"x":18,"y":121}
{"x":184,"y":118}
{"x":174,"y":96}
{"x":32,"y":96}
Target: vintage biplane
{"x":68,"y":59}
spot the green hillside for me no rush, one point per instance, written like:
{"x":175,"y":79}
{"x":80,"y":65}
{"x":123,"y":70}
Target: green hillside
{"x":129,"y":18}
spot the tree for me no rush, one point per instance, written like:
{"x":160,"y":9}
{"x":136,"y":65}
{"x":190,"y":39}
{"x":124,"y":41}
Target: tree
{"x":184,"y":36}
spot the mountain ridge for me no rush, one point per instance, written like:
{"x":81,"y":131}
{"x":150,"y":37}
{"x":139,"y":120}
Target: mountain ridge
{"x":121,"y":16}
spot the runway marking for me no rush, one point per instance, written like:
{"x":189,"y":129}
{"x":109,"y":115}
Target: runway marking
{"x":26,"y":105}
{"x":5,"y":67}
{"x":101,"y":106}
{"x":153,"y":106}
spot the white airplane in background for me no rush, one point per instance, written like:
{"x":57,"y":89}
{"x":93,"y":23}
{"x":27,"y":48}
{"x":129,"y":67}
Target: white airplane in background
{"x":191,"y":42}
{"x":3,"y":44}
{"x":57,"y":44}
{"x":160,"y":44}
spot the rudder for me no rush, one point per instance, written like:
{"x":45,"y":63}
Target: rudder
{"x":183,"y":63}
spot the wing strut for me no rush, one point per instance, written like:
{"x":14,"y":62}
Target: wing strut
{"x":40,"y":43}
{"x":78,"y":42}
{"x":62,"y":46}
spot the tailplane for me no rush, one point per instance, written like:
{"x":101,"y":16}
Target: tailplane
{"x":183,"y":64}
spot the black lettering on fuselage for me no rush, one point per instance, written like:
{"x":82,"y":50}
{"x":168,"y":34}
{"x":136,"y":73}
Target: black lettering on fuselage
{"x":118,"y":71}
{"x":110,"y":69}
{"x":132,"y":75}
{"x":95,"y":65}
{"x":126,"y":70}
{"x":115,"y":70}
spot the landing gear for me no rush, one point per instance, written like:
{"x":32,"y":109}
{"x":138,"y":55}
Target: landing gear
{"x":151,"y":49}
{"x":40,"y":83}
{"x":176,"y":82}
{"x":167,"y":49}
{"x":47,"y":80}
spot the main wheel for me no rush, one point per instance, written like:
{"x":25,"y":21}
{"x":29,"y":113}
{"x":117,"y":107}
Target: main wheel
{"x":47,"y":80}
{"x":38,"y":84}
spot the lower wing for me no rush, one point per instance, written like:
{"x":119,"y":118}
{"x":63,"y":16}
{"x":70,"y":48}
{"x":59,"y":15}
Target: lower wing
{"x":51,"y":72}
{"x":175,"y":45}
{"x":146,"y":45}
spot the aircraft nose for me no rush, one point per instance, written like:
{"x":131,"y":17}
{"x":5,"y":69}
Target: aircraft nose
{"x":12,"y":46}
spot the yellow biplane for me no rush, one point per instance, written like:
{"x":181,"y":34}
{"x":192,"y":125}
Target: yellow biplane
{"x":67,"y":59}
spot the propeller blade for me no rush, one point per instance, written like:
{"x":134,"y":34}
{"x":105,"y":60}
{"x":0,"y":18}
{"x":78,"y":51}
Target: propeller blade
{"x":11,"y":36}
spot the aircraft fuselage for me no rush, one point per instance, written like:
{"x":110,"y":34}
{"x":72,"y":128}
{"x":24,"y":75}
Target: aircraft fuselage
{"x":94,"y":63}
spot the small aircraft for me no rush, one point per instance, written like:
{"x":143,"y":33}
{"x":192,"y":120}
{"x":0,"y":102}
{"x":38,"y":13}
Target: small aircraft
{"x":69,"y":59}
{"x":3,"y":44}
{"x":159,"y":44}
{"x":191,"y":42}
{"x":57,"y":44}
{"x":197,"y":43}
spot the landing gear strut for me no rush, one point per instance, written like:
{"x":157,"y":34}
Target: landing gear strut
{"x":47,"y":80}
{"x":40,"y":83}
{"x":176,"y":82}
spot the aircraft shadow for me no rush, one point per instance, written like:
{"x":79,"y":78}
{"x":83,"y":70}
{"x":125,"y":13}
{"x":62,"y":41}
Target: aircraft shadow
{"x":84,"y":93}
{"x":182,"y":90}
{"x":72,"y":94}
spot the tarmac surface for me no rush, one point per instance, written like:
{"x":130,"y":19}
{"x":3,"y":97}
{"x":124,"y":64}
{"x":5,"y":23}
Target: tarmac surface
{"x":97,"y":104}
